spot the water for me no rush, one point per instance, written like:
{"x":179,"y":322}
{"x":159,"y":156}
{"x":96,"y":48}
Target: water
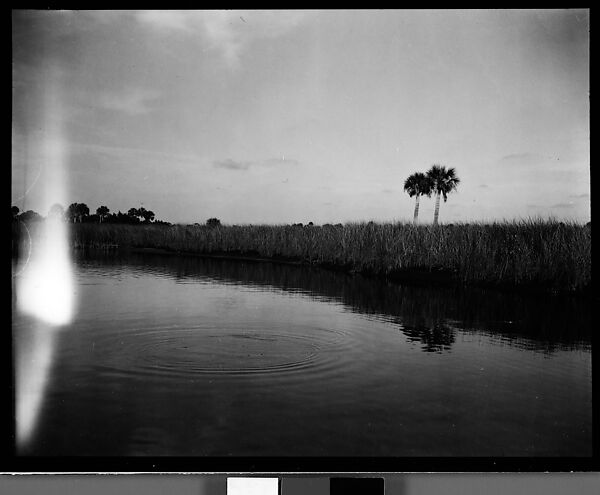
{"x":180,"y":356}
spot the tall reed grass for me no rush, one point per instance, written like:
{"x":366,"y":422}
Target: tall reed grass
{"x":551,"y":254}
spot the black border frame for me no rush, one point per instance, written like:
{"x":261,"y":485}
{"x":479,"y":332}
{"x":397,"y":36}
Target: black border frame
{"x":275,"y":466}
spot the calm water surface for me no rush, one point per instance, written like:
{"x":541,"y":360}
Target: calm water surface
{"x":196,"y":357}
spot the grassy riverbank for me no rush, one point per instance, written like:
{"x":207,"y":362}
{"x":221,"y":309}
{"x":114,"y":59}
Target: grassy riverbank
{"x":533,"y":253}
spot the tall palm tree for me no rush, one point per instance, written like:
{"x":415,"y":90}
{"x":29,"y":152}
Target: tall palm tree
{"x":417,"y":185}
{"x":443,"y":182}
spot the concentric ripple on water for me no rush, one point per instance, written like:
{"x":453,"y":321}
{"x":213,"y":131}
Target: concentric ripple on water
{"x":185,"y":351}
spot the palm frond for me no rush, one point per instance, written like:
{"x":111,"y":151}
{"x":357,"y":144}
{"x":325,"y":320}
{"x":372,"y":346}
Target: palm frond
{"x":417,"y":184}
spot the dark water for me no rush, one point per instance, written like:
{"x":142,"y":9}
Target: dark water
{"x":196,"y":357}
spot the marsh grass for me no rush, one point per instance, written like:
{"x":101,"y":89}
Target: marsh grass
{"x":550,"y":254}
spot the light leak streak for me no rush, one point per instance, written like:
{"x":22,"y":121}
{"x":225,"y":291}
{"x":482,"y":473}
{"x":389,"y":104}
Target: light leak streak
{"x":45,"y":289}
{"x":44,"y":286}
{"x":35,"y":351}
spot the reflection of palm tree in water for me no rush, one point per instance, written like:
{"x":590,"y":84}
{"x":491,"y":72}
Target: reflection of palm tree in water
{"x":430,"y":315}
{"x":435,"y":337}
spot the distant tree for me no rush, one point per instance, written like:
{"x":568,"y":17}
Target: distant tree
{"x":84,"y":211}
{"x":145,"y":215}
{"x":110,"y":218}
{"x":119,"y":217}
{"x":102,"y":212}
{"x":213,"y":222}
{"x":443,"y":182}
{"x":417,"y":184}
{"x":30,"y":216}
{"x":137,"y":215}
{"x":71,"y":212}
{"x":148,"y":215}
{"x":133,"y":213}
{"x":77,"y":211}
{"x":15,"y":212}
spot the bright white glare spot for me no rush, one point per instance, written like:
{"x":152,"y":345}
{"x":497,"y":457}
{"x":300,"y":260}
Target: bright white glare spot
{"x":35,"y":348}
{"x":252,"y":486}
{"x":45,"y":289}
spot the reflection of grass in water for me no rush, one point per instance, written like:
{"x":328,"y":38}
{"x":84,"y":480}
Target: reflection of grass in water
{"x":416,"y":308}
{"x":552,"y":254}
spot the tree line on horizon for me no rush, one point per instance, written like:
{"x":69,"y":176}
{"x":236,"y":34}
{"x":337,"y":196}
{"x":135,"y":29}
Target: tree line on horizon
{"x":80,"y":213}
{"x":437,"y":180}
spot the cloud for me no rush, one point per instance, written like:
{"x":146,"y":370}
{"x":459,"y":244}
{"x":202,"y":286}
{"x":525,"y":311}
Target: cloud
{"x":388,"y":191}
{"x":579,"y":196}
{"x":484,"y":186}
{"x":562,"y":205}
{"x":230,"y":164}
{"x":134,"y":101}
{"x":228,"y":31}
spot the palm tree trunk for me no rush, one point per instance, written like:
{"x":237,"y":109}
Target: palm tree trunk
{"x":437,"y":208}
{"x":416,"y":209}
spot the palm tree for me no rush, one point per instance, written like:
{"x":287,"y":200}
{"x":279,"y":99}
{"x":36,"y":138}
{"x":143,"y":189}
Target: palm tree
{"x":77,"y":211}
{"x":82,"y":211}
{"x":443,"y":182}
{"x":417,"y":185}
{"x":102,"y":212}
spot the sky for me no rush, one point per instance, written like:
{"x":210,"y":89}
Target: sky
{"x":296,"y":116}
